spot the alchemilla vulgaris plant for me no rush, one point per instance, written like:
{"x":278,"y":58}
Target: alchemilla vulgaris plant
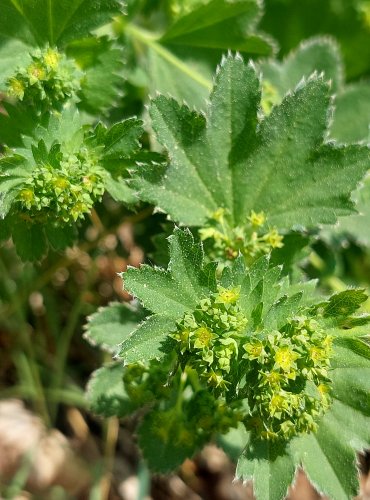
{"x":246,"y":167}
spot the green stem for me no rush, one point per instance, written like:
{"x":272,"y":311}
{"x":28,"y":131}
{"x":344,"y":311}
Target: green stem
{"x":180,"y":394}
{"x":25,"y":358}
{"x":63,"y":346}
{"x":193,"y":379}
{"x":151,"y":41}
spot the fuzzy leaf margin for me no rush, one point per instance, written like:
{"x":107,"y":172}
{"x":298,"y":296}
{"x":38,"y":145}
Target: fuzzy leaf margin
{"x":227,"y":159}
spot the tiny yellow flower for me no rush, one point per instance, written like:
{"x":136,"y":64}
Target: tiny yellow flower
{"x":228,"y":296}
{"x":254,"y":349}
{"x":317,"y":354}
{"x":272,"y":378}
{"x":51,"y":58}
{"x":203,"y":337}
{"x":277,"y":404}
{"x":218,"y":215}
{"x":16,"y":88}
{"x":36,"y":72}
{"x":27,"y":196}
{"x":285,"y":358}
{"x":323,"y":389}
{"x":209,"y":232}
{"x":61,"y":183}
{"x":257,"y":219}
{"x":274,"y":239}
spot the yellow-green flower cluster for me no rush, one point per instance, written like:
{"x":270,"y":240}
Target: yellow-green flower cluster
{"x":50,"y":79}
{"x":146,"y":383}
{"x":208,"y":337}
{"x":62,"y":192}
{"x":288,"y":379}
{"x":183,"y":412}
{"x":254,"y":239}
{"x":212,"y":415}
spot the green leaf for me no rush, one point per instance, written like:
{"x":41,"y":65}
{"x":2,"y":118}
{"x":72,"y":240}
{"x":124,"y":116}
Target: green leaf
{"x":169,"y":74}
{"x":29,"y":240}
{"x":233,"y":442}
{"x":119,"y":190}
{"x":102,"y":63}
{"x":13,"y":25}
{"x":182,"y":59}
{"x":60,"y":238}
{"x":169,"y":294}
{"x":351,"y":118}
{"x":111,"y":325}
{"x":224,"y":159}
{"x":13,"y":54}
{"x":329,"y":466}
{"x":177,"y":290}
{"x":149,"y":341}
{"x":119,"y":149}
{"x":122,"y":139}
{"x":219,"y":25}
{"x":60,"y":21}
{"x":269,"y":466}
{"x":329,"y":456}
{"x":344,"y":303}
{"x":106,"y":393}
{"x":15,"y":124}
{"x":355,"y":226}
{"x":351,"y":375}
{"x":316,"y":54}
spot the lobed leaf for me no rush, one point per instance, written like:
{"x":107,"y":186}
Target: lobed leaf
{"x":282,"y":166}
{"x":169,"y":294}
{"x":351,"y":118}
{"x":318,"y":54}
{"x":102,"y":63}
{"x":269,"y":466}
{"x":55,"y":22}
{"x":106,"y":393}
{"x":111,"y":325}
{"x":177,"y":290}
{"x":344,"y":303}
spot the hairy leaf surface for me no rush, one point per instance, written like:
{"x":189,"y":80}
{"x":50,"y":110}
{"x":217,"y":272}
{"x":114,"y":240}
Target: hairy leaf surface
{"x":227,"y":159}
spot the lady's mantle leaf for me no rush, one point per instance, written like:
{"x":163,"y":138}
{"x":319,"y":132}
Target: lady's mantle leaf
{"x":110,"y":325}
{"x":106,"y":392}
{"x":344,"y":303}
{"x":319,"y":54}
{"x":102,"y":63}
{"x":177,"y":290}
{"x":169,"y":294}
{"x":57,"y":22}
{"x":216,"y":24}
{"x":281,"y":166}
{"x":351,"y":118}
{"x":329,"y":456}
{"x":269,"y":466}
